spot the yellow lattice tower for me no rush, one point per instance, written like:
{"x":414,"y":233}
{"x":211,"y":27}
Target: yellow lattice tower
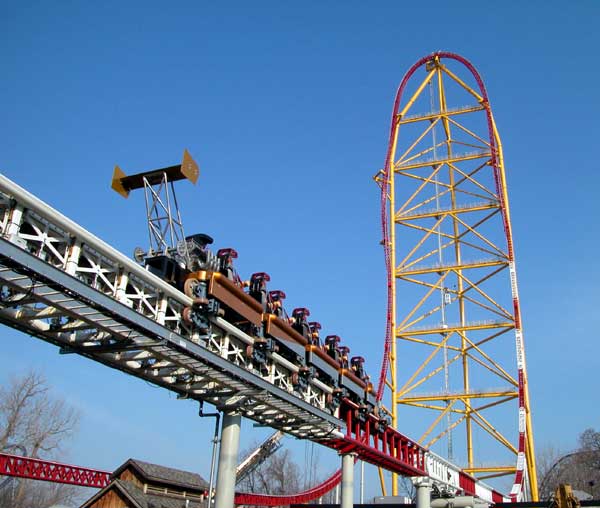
{"x":453,"y":307}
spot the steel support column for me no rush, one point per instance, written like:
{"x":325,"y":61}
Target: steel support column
{"x":228,"y":458}
{"x":347,"y":480}
{"x":423,"y":485}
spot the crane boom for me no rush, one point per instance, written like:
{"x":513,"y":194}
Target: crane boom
{"x":258,"y":456}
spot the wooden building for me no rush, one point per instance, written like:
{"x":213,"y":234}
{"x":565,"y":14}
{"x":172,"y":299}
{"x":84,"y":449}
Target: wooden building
{"x":138,"y":484}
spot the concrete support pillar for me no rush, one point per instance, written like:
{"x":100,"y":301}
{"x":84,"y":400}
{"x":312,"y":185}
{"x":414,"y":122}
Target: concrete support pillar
{"x":347,"y":481}
{"x":423,"y":486}
{"x":228,"y":459}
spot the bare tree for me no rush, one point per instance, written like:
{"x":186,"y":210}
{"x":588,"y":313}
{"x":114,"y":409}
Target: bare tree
{"x":31,"y":419}
{"x":589,"y":442}
{"x":277,"y":475}
{"x":546,"y":457}
{"x":580,"y":468}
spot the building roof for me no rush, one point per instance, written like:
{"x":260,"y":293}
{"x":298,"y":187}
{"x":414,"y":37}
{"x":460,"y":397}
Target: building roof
{"x":138,"y":499}
{"x":153,"y":473}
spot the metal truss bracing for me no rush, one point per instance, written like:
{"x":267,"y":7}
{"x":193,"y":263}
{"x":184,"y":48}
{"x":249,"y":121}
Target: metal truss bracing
{"x":56,"y":472}
{"x":453,"y":307}
{"x":165,"y":227}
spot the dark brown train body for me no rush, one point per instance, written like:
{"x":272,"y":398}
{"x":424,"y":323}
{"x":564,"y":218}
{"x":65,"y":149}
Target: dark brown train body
{"x":217,"y":291}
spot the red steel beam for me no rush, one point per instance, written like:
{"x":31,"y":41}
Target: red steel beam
{"x":56,"y":472}
{"x":38,"y":469}
{"x":301,"y":497}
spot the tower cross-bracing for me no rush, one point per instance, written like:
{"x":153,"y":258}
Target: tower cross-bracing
{"x":453,"y":309}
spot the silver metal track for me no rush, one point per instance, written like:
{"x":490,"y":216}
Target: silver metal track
{"x":65,"y":286}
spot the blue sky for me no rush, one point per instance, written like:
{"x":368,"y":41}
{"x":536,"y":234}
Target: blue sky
{"x":286,"y":108}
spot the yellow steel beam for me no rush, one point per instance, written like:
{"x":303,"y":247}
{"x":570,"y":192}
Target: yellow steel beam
{"x":487,"y":307}
{"x":425,"y":256}
{"x":472,"y":230}
{"x":428,"y":343}
{"x":490,"y":429}
{"x":426,"y":180}
{"x":448,"y":268}
{"x":491,"y":469}
{"x":402,"y":160}
{"x":445,"y":431}
{"x":418,"y":245}
{"x":432,"y":116}
{"x":487,"y":297}
{"x":416,"y":227}
{"x":432,"y":407}
{"x":478,"y":207}
{"x":468,"y":178}
{"x":462,"y":83}
{"x":382,"y":481}
{"x":469,"y":132}
{"x":494,"y":475}
{"x":407,"y":389}
{"x":421,"y":367}
{"x":449,"y":188}
{"x":414,"y":97}
{"x":421,"y":301}
{"x":492,"y":404}
{"x":494,"y":369}
{"x":459,"y":328}
{"x":448,"y":160}
{"x":435,"y":422}
{"x":422,"y":178}
{"x":459,"y":396}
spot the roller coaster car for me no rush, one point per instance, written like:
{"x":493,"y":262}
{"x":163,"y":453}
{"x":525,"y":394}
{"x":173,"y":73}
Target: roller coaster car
{"x":357,"y":365}
{"x":370,"y":401}
{"x":325,"y":366}
{"x":174,"y":265}
{"x":300,"y":323}
{"x":343,"y":358}
{"x":292,"y":345}
{"x":219,"y":293}
{"x":261,"y":314}
{"x":258,"y":288}
{"x":226,"y":257}
{"x":358,"y":390}
{"x":275,"y":304}
{"x":167,"y":268}
{"x":199,"y":256}
{"x":314,"y":333}
{"x":332,"y":347}
{"x":296,"y":347}
{"x":383,"y":420}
